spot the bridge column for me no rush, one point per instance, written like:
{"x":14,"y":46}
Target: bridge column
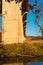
{"x":12,"y":27}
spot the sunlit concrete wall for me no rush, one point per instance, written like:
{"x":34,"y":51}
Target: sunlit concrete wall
{"x":12,"y":27}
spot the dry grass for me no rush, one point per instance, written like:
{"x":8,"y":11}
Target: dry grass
{"x":29,"y":47}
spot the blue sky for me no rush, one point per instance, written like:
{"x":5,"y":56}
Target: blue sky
{"x":32,"y":28}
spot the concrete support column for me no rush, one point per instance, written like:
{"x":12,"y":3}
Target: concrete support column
{"x":12,"y":26}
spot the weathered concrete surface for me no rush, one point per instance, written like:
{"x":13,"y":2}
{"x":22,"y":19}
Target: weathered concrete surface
{"x":12,"y":26}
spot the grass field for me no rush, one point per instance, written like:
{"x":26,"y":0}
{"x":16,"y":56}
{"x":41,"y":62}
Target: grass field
{"x":30,"y":47}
